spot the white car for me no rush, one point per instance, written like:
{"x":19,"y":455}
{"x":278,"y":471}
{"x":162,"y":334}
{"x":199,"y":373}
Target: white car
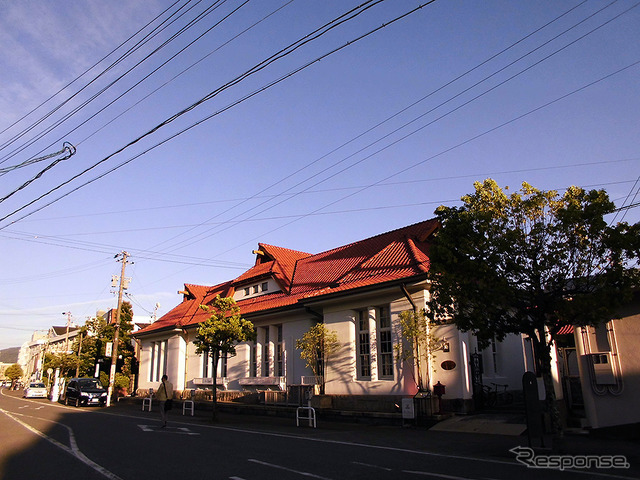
{"x":35,"y":390}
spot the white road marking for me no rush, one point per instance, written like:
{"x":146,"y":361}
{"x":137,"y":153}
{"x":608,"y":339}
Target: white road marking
{"x":178,"y":430}
{"x":438,"y":475}
{"x":373,"y":466}
{"x":73,"y":450}
{"x":286,"y":469}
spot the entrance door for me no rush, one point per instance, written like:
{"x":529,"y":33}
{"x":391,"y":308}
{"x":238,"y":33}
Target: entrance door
{"x":571,"y":378}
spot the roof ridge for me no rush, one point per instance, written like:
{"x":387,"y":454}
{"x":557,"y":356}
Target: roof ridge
{"x":406,"y":227}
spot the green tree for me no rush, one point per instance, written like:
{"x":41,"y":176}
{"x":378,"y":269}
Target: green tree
{"x":531,"y":262}
{"x":14,"y":372}
{"x":220,"y":333}
{"x":418,"y":344}
{"x":66,"y":362}
{"x":316,"y":347}
{"x":94,"y":336}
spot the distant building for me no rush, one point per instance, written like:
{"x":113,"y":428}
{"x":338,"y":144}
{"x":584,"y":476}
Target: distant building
{"x":55,"y":340}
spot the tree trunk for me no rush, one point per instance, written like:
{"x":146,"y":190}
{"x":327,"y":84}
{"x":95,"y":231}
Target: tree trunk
{"x":544,"y":355}
{"x":214,"y":387}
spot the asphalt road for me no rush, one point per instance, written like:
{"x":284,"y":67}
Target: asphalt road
{"x":42,"y":439}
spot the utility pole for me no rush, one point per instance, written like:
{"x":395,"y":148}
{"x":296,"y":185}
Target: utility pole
{"x":79,"y":352}
{"x":114,"y":353}
{"x":66,"y":347}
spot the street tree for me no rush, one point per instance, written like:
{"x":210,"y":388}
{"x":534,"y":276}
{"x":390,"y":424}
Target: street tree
{"x":89,"y":348}
{"x":316,"y":347}
{"x":419,"y":344}
{"x":66,"y":362}
{"x":14,"y":372}
{"x":531,"y":262}
{"x":218,"y":336}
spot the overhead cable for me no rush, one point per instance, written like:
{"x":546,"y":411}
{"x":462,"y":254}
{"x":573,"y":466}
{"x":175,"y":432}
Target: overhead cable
{"x":113,"y":64}
{"x":69,"y":150}
{"x":255,"y":213}
{"x":119,"y":78}
{"x":211,"y":95}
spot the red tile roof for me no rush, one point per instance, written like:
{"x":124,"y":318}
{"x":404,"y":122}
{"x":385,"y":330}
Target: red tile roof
{"x":396,"y":255}
{"x":276,"y":262}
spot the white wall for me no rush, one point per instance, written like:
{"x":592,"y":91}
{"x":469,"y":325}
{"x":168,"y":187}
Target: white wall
{"x":610,"y":405}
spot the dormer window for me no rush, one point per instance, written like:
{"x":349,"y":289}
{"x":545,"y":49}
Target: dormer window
{"x":257,"y":289}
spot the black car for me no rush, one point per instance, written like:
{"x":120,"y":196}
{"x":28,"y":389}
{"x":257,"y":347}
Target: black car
{"x":85,"y":391}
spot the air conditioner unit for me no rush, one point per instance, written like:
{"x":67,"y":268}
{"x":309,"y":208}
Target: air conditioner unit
{"x":602,"y":368}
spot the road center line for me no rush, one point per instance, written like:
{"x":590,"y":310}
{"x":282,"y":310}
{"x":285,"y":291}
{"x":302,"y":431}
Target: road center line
{"x":286,"y":469}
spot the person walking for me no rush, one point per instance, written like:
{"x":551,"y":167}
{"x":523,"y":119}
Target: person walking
{"x":164,"y":393}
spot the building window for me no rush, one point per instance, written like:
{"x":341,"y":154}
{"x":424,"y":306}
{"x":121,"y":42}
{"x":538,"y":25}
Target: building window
{"x":158,"y":360}
{"x":266,"y":357}
{"x":265,"y":286}
{"x":253,"y":361}
{"x":363,"y":346}
{"x":385,"y":347}
{"x":279,"y":354}
{"x":223,"y":366}
{"x":206,"y":361}
{"x":247,"y":291}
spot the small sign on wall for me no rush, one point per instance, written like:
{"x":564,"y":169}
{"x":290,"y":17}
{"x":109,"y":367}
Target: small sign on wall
{"x":408,"y":412}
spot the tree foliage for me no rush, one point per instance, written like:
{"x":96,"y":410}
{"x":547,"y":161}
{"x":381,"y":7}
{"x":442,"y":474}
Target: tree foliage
{"x":416,"y":330}
{"x":316,"y":348}
{"x":220,"y":333}
{"x":14,"y":372}
{"x":94,"y":336}
{"x":531,"y":262}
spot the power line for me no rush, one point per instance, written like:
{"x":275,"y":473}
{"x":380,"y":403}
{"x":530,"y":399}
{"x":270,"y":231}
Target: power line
{"x":83,"y":74}
{"x":275,"y":57}
{"x":120,"y":77}
{"x":443,"y":152}
{"x":69,"y":150}
{"x":337,"y":189}
{"x":255,"y":213}
{"x":192,"y":65}
{"x":93,"y":80}
{"x":66,"y":148}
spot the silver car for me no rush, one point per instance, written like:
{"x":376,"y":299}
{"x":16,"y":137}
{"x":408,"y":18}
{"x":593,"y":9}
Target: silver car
{"x":35,"y":390}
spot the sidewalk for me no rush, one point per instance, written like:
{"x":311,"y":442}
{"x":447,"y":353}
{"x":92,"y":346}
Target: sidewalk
{"x":479,"y":436}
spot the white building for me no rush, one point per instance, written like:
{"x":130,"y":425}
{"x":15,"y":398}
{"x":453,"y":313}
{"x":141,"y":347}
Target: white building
{"x":358,"y":291}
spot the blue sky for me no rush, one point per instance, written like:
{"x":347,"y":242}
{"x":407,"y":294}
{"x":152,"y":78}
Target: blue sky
{"x":364,"y":140}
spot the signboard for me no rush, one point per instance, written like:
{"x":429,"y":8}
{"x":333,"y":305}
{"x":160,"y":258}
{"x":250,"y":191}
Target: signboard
{"x":108,"y":349}
{"x":408,"y":412}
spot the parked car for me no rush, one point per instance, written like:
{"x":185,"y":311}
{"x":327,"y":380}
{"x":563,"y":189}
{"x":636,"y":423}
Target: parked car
{"x":85,"y":391}
{"x":35,"y":390}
